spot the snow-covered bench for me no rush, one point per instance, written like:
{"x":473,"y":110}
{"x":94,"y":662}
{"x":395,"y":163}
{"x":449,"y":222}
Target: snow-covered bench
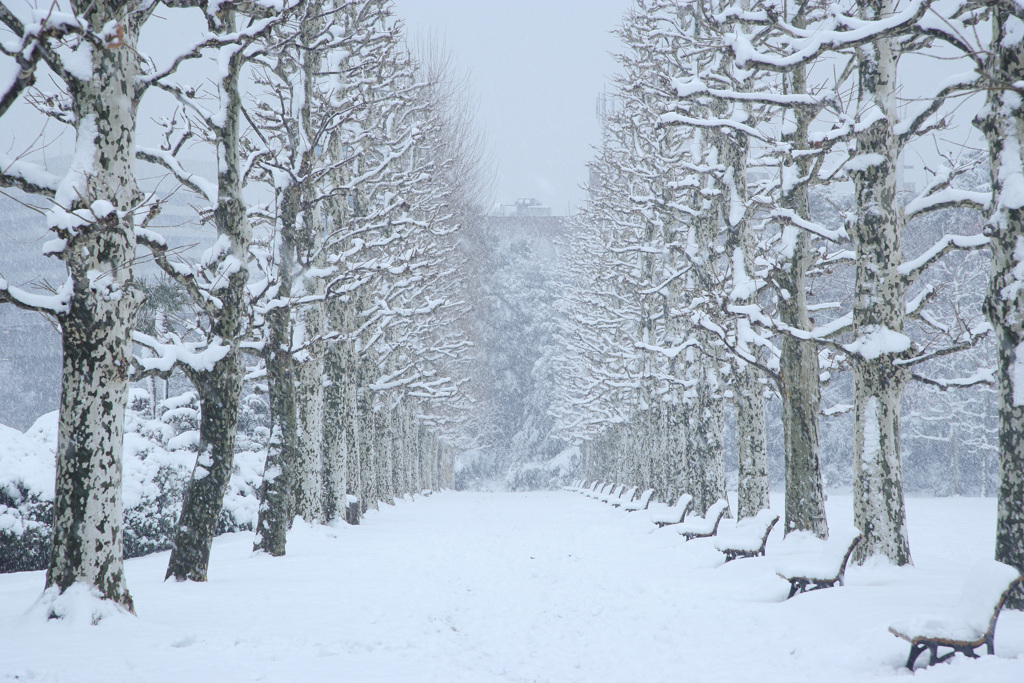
{"x":821,"y":564}
{"x":640,"y":503}
{"x":613,"y":492}
{"x":748,"y":538}
{"x":624,"y":497}
{"x":972,"y":621}
{"x":706,"y":526}
{"x":672,"y":514}
{"x":599,"y":490}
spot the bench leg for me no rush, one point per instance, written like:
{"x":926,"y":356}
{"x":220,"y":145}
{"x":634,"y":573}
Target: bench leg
{"x":915,"y":652}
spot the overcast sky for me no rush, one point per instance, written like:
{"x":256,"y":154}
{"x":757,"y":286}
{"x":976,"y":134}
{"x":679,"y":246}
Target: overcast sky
{"x":537,"y":67}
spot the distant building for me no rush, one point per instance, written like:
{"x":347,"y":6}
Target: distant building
{"x":524,"y":208}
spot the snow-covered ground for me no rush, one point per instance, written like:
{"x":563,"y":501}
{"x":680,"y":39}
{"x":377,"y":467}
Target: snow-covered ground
{"x":483,"y":587}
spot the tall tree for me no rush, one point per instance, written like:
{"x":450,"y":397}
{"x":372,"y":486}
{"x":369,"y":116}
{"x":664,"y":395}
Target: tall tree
{"x":1002,"y":122}
{"x":93,"y":52}
{"x":218,"y":283}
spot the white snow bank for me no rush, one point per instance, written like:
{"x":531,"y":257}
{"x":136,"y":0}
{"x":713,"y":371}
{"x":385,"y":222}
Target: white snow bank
{"x":28,"y":458}
{"x":488,"y":588}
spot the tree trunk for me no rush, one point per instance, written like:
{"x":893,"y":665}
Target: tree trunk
{"x":87,"y":545}
{"x":748,"y":389}
{"x":878,"y":309}
{"x":276,"y":512}
{"x":799,"y":373}
{"x":335,"y":434}
{"x":219,"y":390}
{"x":1002,"y":122}
{"x":751,"y":442}
{"x":309,"y":467}
{"x":705,"y":447}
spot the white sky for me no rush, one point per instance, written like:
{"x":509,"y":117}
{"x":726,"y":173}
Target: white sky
{"x":537,"y":67}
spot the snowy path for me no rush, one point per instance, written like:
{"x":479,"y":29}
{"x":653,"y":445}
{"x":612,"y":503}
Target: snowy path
{"x":482,"y":587}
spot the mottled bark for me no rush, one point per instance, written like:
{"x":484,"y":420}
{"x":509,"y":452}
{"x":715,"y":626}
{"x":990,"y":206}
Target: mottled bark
{"x":220,"y":389}
{"x":678,"y":475}
{"x":336,"y":430}
{"x":276,"y":510}
{"x":276,"y":502}
{"x":706,"y":405}
{"x":751,"y":441}
{"x":309,"y":467}
{"x":748,"y":384}
{"x":799,"y":372}
{"x":1002,"y":122}
{"x":705,"y":448}
{"x":219,"y":394}
{"x":87,"y":544}
{"x":878,"y":307}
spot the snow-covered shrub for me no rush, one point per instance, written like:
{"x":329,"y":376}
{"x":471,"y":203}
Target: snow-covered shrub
{"x":159,"y":455}
{"x":27,"y":473}
{"x":158,"y":459}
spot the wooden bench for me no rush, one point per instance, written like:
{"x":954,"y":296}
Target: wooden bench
{"x":706,"y":526}
{"x":749,"y":537}
{"x":623,"y":498}
{"x":599,"y":490}
{"x":640,"y":503}
{"x":665,"y":514}
{"x":971,"y":623}
{"x":822,"y":565}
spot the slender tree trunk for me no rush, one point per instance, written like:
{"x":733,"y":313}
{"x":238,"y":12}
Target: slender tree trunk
{"x":309,"y":469}
{"x":878,"y":310}
{"x":275,"y":514}
{"x":748,"y":388}
{"x":309,"y":486}
{"x":678,"y":476}
{"x":219,"y":390}
{"x":1002,"y":122}
{"x":335,"y":434}
{"x":704,"y":439}
{"x":706,"y":412}
{"x":799,"y":372}
{"x":752,"y":446}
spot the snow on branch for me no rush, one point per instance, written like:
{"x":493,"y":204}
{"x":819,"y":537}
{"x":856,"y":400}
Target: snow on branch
{"x":984,"y":376}
{"x":946,"y":199}
{"x":56,"y":304}
{"x":27,"y":176}
{"x":791,"y":217}
{"x":673,"y":118}
{"x":181,"y":273}
{"x":838,"y":32}
{"x":194,"y":182}
{"x":911,"y":269}
{"x":189,"y":356}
